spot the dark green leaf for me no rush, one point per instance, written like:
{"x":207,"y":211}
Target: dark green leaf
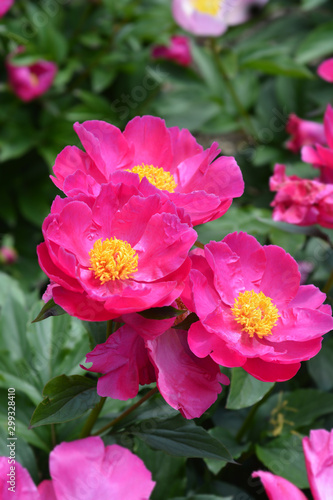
{"x":181,"y":438}
{"x":161,"y":312}
{"x":318,"y":43}
{"x":66,"y":398}
{"x":245,"y":390}
{"x":321,"y":367}
{"x":50,"y":309}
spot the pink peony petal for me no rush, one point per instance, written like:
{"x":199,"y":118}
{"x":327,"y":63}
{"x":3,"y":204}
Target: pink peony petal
{"x":278,"y":488}
{"x":86,"y":469}
{"x":270,"y":372}
{"x":46,"y":490}
{"x":23,"y":486}
{"x":318,"y":452}
{"x":124,"y":361}
{"x":189,"y":384}
{"x":325,"y":70}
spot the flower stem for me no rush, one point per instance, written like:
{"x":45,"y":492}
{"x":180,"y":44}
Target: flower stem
{"x":248,"y":420}
{"x":126,"y":412}
{"x":199,"y":244}
{"x":87,"y":428}
{"x":249,"y":127}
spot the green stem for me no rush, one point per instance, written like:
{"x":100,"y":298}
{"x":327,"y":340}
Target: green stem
{"x":199,"y":244}
{"x":329,"y":283}
{"x":248,"y":420}
{"x":238,"y":104}
{"x":87,"y":428}
{"x":109,"y":328}
{"x":126,"y":412}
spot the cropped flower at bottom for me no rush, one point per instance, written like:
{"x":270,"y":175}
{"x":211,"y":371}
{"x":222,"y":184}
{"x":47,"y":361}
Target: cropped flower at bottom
{"x":318,"y":453}
{"x":83,"y":469}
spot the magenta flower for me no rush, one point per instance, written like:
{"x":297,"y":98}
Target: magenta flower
{"x":31,"y":81}
{"x":124,"y":251}
{"x":325,"y":70}
{"x":304,"y":133}
{"x":212,"y":17}
{"x":187,"y":383}
{"x":8,"y":255}
{"x":301,"y":201}
{"x":253,"y":312}
{"x":179,"y":50}
{"x":319,"y":156}
{"x":318,"y":452}
{"x":169,"y":158}
{"x":5,"y":5}
{"x":82,"y":469}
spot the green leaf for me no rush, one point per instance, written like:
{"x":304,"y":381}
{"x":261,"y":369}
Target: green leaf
{"x":311,"y":4}
{"x":321,"y":367}
{"x":161,"y":312}
{"x":205,"y":497}
{"x":66,"y":398}
{"x":318,"y":43}
{"x":181,"y":438}
{"x":284,"y":457}
{"x":280,"y":66}
{"x":235,"y":449}
{"x":245,"y":390}
{"x":49,"y":309}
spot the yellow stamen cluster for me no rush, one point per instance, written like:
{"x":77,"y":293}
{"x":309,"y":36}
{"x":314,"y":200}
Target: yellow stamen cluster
{"x":256,"y":313}
{"x":113,"y":259}
{"x":210,"y":7}
{"x":157,"y":176}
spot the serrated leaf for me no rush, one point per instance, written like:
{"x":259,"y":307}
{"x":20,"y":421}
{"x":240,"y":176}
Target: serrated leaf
{"x":245,"y":390}
{"x":66,"y":398}
{"x":181,"y":438}
{"x":50,"y":309}
{"x":161,"y":312}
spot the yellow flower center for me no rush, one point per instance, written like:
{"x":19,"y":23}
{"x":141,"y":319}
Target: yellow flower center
{"x":256,"y":313}
{"x":210,"y":7}
{"x":157,"y":176}
{"x":113,"y":260}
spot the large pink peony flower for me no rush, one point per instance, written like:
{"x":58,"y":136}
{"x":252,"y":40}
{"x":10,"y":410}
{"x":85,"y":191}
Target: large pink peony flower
{"x":5,"y":5}
{"x":318,"y":452}
{"x":31,"y":81}
{"x":124,"y":251}
{"x":179,"y":50}
{"x":169,"y":158}
{"x":253,"y":312}
{"x":325,"y":70}
{"x":83,"y":469}
{"x":304,"y":133}
{"x":212,"y":17}
{"x":187,"y":383}
{"x":301,"y":201}
{"x":319,"y":156}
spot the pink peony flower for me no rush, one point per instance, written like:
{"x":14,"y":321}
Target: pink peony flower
{"x":304,"y":133}
{"x":169,"y":158}
{"x":187,"y":383}
{"x":82,"y":469}
{"x":5,"y":5}
{"x":301,"y":201}
{"x":325,"y":70}
{"x":318,"y":452}
{"x":178,"y":51}
{"x":319,"y":156}
{"x":31,"y":81}
{"x":253,"y":312}
{"x":124,"y":251}
{"x":212,"y":17}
